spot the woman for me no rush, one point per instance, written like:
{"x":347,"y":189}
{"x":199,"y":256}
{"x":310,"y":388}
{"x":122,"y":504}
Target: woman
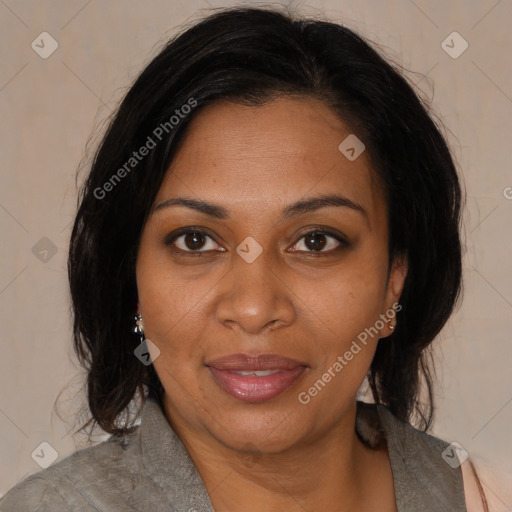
{"x":278,"y":209}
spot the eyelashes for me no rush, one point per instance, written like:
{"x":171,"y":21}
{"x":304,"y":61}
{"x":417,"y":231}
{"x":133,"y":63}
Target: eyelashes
{"x":312,"y":237}
{"x":195,"y":236}
{"x":196,"y":240}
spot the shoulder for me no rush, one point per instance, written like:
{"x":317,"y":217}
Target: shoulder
{"x":375,"y":422}
{"x":426,"y":470}
{"x":60,"y":487}
{"x":37,"y":494}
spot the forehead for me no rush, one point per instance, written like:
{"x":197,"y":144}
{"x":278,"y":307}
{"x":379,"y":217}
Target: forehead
{"x":269,"y":156}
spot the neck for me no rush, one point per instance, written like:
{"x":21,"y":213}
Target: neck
{"x":334,"y":471}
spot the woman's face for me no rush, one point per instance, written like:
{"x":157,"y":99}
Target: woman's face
{"x":255,"y":287}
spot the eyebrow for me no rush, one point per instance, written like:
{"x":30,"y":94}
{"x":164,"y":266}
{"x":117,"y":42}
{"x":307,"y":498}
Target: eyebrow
{"x":293,"y":210}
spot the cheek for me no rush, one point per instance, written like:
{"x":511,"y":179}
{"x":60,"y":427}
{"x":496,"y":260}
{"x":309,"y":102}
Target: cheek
{"x":348,"y":304}
{"x":172,"y":314}
{"x":348,"y":307}
{"x":349,"y":299}
{"x":172,"y":302}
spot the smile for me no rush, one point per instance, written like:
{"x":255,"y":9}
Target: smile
{"x":255,"y":378}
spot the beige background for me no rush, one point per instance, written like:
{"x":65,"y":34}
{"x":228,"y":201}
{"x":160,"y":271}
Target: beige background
{"x":49,"y":108}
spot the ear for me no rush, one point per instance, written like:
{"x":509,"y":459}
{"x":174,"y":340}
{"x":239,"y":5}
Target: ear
{"x":396,"y":279}
{"x":395,"y":285}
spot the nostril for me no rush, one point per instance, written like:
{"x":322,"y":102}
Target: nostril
{"x":272,"y":323}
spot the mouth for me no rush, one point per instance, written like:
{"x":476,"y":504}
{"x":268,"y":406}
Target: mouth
{"x":255,"y":378}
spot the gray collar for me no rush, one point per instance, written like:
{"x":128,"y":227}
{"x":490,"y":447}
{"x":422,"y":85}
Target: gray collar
{"x":420,"y":474}
{"x":169,"y":463}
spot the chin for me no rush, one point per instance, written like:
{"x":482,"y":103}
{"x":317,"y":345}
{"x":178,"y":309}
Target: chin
{"x":263,"y":428}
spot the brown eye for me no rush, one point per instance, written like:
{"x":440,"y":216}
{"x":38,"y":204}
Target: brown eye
{"x":315,"y":241}
{"x":193,"y":240}
{"x":318,"y":242}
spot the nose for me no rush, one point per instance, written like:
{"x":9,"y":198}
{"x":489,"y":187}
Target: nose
{"x":254,"y":297}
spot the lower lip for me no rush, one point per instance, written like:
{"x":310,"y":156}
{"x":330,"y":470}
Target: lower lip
{"x":256,"y":389}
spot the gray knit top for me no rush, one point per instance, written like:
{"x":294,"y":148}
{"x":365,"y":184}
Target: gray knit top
{"x":152,"y":472}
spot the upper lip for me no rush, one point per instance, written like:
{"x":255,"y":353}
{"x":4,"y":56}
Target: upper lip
{"x":255,"y":362}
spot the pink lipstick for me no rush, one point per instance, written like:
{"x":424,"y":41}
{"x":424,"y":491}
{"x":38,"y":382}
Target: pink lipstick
{"x":255,"y":378}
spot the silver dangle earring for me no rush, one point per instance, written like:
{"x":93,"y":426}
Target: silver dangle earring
{"x":139,"y":328}
{"x":146,"y":351}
